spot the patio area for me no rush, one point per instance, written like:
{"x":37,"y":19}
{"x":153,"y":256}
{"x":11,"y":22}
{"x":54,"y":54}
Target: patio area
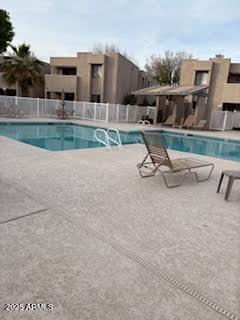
{"x":82,"y":231}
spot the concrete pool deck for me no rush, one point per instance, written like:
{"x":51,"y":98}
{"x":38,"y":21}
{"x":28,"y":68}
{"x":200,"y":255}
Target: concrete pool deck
{"x":82,"y":231}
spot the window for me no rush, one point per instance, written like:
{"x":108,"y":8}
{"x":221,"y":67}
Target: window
{"x":231,"y":106}
{"x":201,"y":78}
{"x":69,"y":71}
{"x":7,"y":92}
{"x":10,"y":92}
{"x":234,"y":78}
{"x":96,"y":71}
{"x":96,"y":98}
{"x":69,"y":96}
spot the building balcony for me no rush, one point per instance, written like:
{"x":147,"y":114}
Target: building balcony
{"x":57,"y":82}
{"x":231,"y":93}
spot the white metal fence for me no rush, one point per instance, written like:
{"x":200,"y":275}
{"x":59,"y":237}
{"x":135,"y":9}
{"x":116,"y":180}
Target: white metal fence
{"x":225,"y":120}
{"x":35,"y":107}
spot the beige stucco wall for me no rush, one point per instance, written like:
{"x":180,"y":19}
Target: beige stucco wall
{"x":119,"y":77}
{"x":110,"y":78}
{"x":128,"y":78}
{"x":231,"y":93}
{"x":84,"y":74}
{"x":62,"y":62}
{"x":189,"y":68}
{"x":235,"y":68}
{"x":220,"y":91}
{"x":219,"y":76}
{"x":218,"y":71}
{"x":56,"y":82}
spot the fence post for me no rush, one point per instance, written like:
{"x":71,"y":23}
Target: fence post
{"x":16,"y":100}
{"x":211,"y":120}
{"x":155,"y":115}
{"x":37,"y":107}
{"x":233,"y":117}
{"x":107,"y":112}
{"x":136,"y":113}
{"x":127,"y":113}
{"x":83,"y":110}
{"x":95,"y":110}
{"x":224,"y":121}
{"x":74,"y":107}
{"x":118,"y":113}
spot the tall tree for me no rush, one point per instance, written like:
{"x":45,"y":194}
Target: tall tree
{"x":166,"y":69}
{"x":22,"y":68}
{"x":6,"y":30}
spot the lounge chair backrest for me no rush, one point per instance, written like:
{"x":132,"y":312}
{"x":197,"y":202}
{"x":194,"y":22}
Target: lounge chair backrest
{"x":170,"y":120}
{"x":156,"y":149}
{"x":201,"y":124}
{"x":189,"y":122}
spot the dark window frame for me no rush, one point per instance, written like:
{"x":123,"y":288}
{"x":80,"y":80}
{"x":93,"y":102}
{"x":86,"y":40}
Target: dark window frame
{"x":199,"y":72}
{"x":233,"y":77}
{"x":68,"y":71}
{"x":231,"y":106}
{"x":96,"y":98}
{"x":69,"y":96}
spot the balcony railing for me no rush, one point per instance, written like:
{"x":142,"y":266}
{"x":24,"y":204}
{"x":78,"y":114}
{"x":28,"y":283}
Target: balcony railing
{"x":57,"y":82}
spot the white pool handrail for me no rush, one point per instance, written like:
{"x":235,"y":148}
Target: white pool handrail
{"x":118,"y":142}
{"x":106,"y":142}
{"x":144,"y":122}
{"x":108,"y":138}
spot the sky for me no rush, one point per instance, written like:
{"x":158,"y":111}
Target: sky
{"x":140,"y":27}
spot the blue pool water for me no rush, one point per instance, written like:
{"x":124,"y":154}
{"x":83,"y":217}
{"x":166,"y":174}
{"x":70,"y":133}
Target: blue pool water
{"x":62,"y":136}
{"x":57,"y":137}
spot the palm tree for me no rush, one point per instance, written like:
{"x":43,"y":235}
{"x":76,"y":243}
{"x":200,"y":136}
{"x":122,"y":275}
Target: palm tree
{"x":22,"y":68}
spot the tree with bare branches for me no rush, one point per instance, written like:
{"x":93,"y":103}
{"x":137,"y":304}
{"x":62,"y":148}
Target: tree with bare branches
{"x":166,"y":69}
{"x":112,"y":48}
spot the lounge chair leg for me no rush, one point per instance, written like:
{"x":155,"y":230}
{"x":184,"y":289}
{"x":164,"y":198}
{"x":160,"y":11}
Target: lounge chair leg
{"x":229,"y":188}
{"x":151,"y":174}
{"x":144,"y":164}
{"x":220,"y":183}
{"x":204,"y":179}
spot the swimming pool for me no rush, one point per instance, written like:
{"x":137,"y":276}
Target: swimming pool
{"x":67,"y":136}
{"x":57,"y":136}
{"x":209,"y":146}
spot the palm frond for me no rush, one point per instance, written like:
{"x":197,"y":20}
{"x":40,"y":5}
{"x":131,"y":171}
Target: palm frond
{"x":22,"y":67}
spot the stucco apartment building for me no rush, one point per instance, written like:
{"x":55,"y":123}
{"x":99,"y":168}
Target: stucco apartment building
{"x":204,"y":86}
{"x":93,"y":77}
{"x":33,"y":92}
{"x":222,"y":78}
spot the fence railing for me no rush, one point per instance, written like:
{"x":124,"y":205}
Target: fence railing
{"x":224,"y":120}
{"x":40,"y":108}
